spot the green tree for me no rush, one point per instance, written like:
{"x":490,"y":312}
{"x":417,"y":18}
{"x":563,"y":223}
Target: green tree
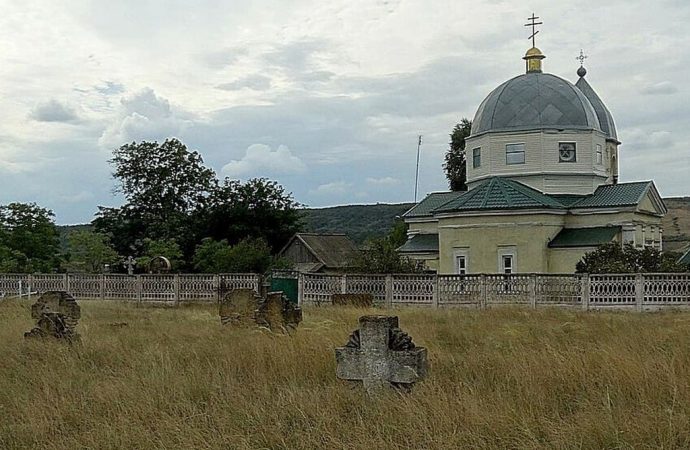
{"x":28,"y":238}
{"x":248,"y":255}
{"x":612,"y":258}
{"x":455,"y":160}
{"x":258,"y":208}
{"x":167,"y":248}
{"x":165,"y":187}
{"x":90,"y":252}
{"x":380,"y":255}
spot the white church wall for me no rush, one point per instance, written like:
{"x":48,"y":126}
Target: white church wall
{"x":542,"y":168}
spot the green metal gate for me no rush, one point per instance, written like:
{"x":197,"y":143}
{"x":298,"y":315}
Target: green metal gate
{"x":285,"y":281}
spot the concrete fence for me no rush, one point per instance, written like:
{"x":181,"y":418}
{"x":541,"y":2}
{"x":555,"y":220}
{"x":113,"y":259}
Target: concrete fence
{"x":168,"y":288}
{"x":633,"y":291}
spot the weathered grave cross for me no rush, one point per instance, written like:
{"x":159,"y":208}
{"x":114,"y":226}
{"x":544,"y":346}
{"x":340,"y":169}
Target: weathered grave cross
{"x":380,"y":355}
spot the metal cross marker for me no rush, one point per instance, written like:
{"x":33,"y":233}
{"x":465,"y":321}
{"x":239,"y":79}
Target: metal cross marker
{"x":582,"y":58}
{"x":533,"y":24}
{"x":129,"y":263}
{"x":379,"y":354}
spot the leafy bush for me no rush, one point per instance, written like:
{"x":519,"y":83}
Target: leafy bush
{"x":249,"y":255}
{"x":612,"y":258}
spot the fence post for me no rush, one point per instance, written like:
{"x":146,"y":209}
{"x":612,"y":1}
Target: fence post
{"x":176,"y":288}
{"x":434,"y":292}
{"x":389,"y":290}
{"x":215,"y":286}
{"x":639,"y":291}
{"x":482,"y":298}
{"x":65,"y":282}
{"x":139,"y":287}
{"x":585,"y":291}
{"x":343,"y":284}
{"x":300,"y":288}
{"x":30,"y":283}
{"x":533,"y":290}
{"x":101,"y":287}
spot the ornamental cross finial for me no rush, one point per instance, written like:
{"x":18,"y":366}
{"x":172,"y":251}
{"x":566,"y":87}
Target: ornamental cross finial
{"x":533,"y":23}
{"x":582,"y":58}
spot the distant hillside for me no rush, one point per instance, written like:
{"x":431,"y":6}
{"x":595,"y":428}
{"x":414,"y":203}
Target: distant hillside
{"x":65,"y":230}
{"x":362,"y":222}
{"x":359,"y":222}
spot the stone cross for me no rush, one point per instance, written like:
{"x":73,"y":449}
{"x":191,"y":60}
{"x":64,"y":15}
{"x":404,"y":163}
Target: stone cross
{"x":56,"y":314}
{"x":237,"y":307}
{"x":277,"y":312}
{"x":381,"y":355}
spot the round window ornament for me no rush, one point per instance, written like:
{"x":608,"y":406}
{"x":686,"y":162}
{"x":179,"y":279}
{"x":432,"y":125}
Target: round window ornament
{"x":566,"y":152}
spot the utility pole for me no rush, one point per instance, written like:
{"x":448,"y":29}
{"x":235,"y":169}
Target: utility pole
{"x":416,"y":177}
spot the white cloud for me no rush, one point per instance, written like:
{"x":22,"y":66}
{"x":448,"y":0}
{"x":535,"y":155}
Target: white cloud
{"x":660,"y":88}
{"x":53,"y":111}
{"x":143,"y":116}
{"x":333,"y":188}
{"x":260,"y":160}
{"x":385,"y":181}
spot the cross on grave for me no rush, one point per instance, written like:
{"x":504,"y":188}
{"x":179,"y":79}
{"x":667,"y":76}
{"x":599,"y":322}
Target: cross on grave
{"x":56,"y":314}
{"x":381,"y":355}
{"x":129,"y":263}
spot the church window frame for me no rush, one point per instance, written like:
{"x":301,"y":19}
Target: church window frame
{"x":476,"y":157}
{"x":515,"y":153}
{"x":507,"y":266}
{"x":567,"y":152}
{"x":599,"y":155}
{"x":461,"y":260}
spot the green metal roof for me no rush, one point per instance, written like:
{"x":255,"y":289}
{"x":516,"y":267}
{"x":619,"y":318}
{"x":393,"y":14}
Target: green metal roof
{"x":584,"y":237}
{"x":420,"y":243}
{"x":500,"y":193}
{"x":431,"y":202}
{"x":622,"y":194}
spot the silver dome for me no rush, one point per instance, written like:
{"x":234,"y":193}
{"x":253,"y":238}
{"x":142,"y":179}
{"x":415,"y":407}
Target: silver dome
{"x":535,"y":101}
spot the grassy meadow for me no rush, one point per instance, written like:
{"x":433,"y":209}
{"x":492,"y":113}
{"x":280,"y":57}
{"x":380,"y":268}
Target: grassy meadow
{"x":503,"y":378}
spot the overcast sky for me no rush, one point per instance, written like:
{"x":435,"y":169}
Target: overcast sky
{"x":327,"y":97}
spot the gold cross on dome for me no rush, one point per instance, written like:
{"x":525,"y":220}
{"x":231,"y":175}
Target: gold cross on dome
{"x":533,"y":23}
{"x":582,"y":58}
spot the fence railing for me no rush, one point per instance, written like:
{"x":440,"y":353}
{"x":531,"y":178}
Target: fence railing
{"x":141,"y":288}
{"x":640,"y":291}
{"x":634,"y":291}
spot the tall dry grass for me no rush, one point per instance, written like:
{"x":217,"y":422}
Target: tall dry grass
{"x":504,"y":378}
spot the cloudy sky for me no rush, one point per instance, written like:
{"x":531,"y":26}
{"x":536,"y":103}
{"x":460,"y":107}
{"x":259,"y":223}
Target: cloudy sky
{"x":326,"y":97}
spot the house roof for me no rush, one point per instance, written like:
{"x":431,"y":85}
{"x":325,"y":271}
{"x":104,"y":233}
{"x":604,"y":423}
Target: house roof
{"x":584,"y":237}
{"x":332,"y":250}
{"x":622,"y":194}
{"x":500,"y":193}
{"x":432,"y":201}
{"x":420,"y":243}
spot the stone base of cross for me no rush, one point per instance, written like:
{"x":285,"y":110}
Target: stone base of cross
{"x":381,"y":355}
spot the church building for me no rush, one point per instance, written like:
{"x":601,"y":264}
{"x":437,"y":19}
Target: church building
{"x":543,"y":185}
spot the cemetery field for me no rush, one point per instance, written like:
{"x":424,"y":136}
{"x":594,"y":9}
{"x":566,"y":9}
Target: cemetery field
{"x":503,"y":378}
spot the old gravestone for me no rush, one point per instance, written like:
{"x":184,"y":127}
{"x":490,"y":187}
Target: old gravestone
{"x":56,"y":314}
{"x":238,"y":307}
{"x":381,"y":355}
{"x":277,"y":312}
{"x":356,"y":300}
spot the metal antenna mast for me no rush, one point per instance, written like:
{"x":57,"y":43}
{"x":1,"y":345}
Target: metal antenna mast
{"x":416,"y":177}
